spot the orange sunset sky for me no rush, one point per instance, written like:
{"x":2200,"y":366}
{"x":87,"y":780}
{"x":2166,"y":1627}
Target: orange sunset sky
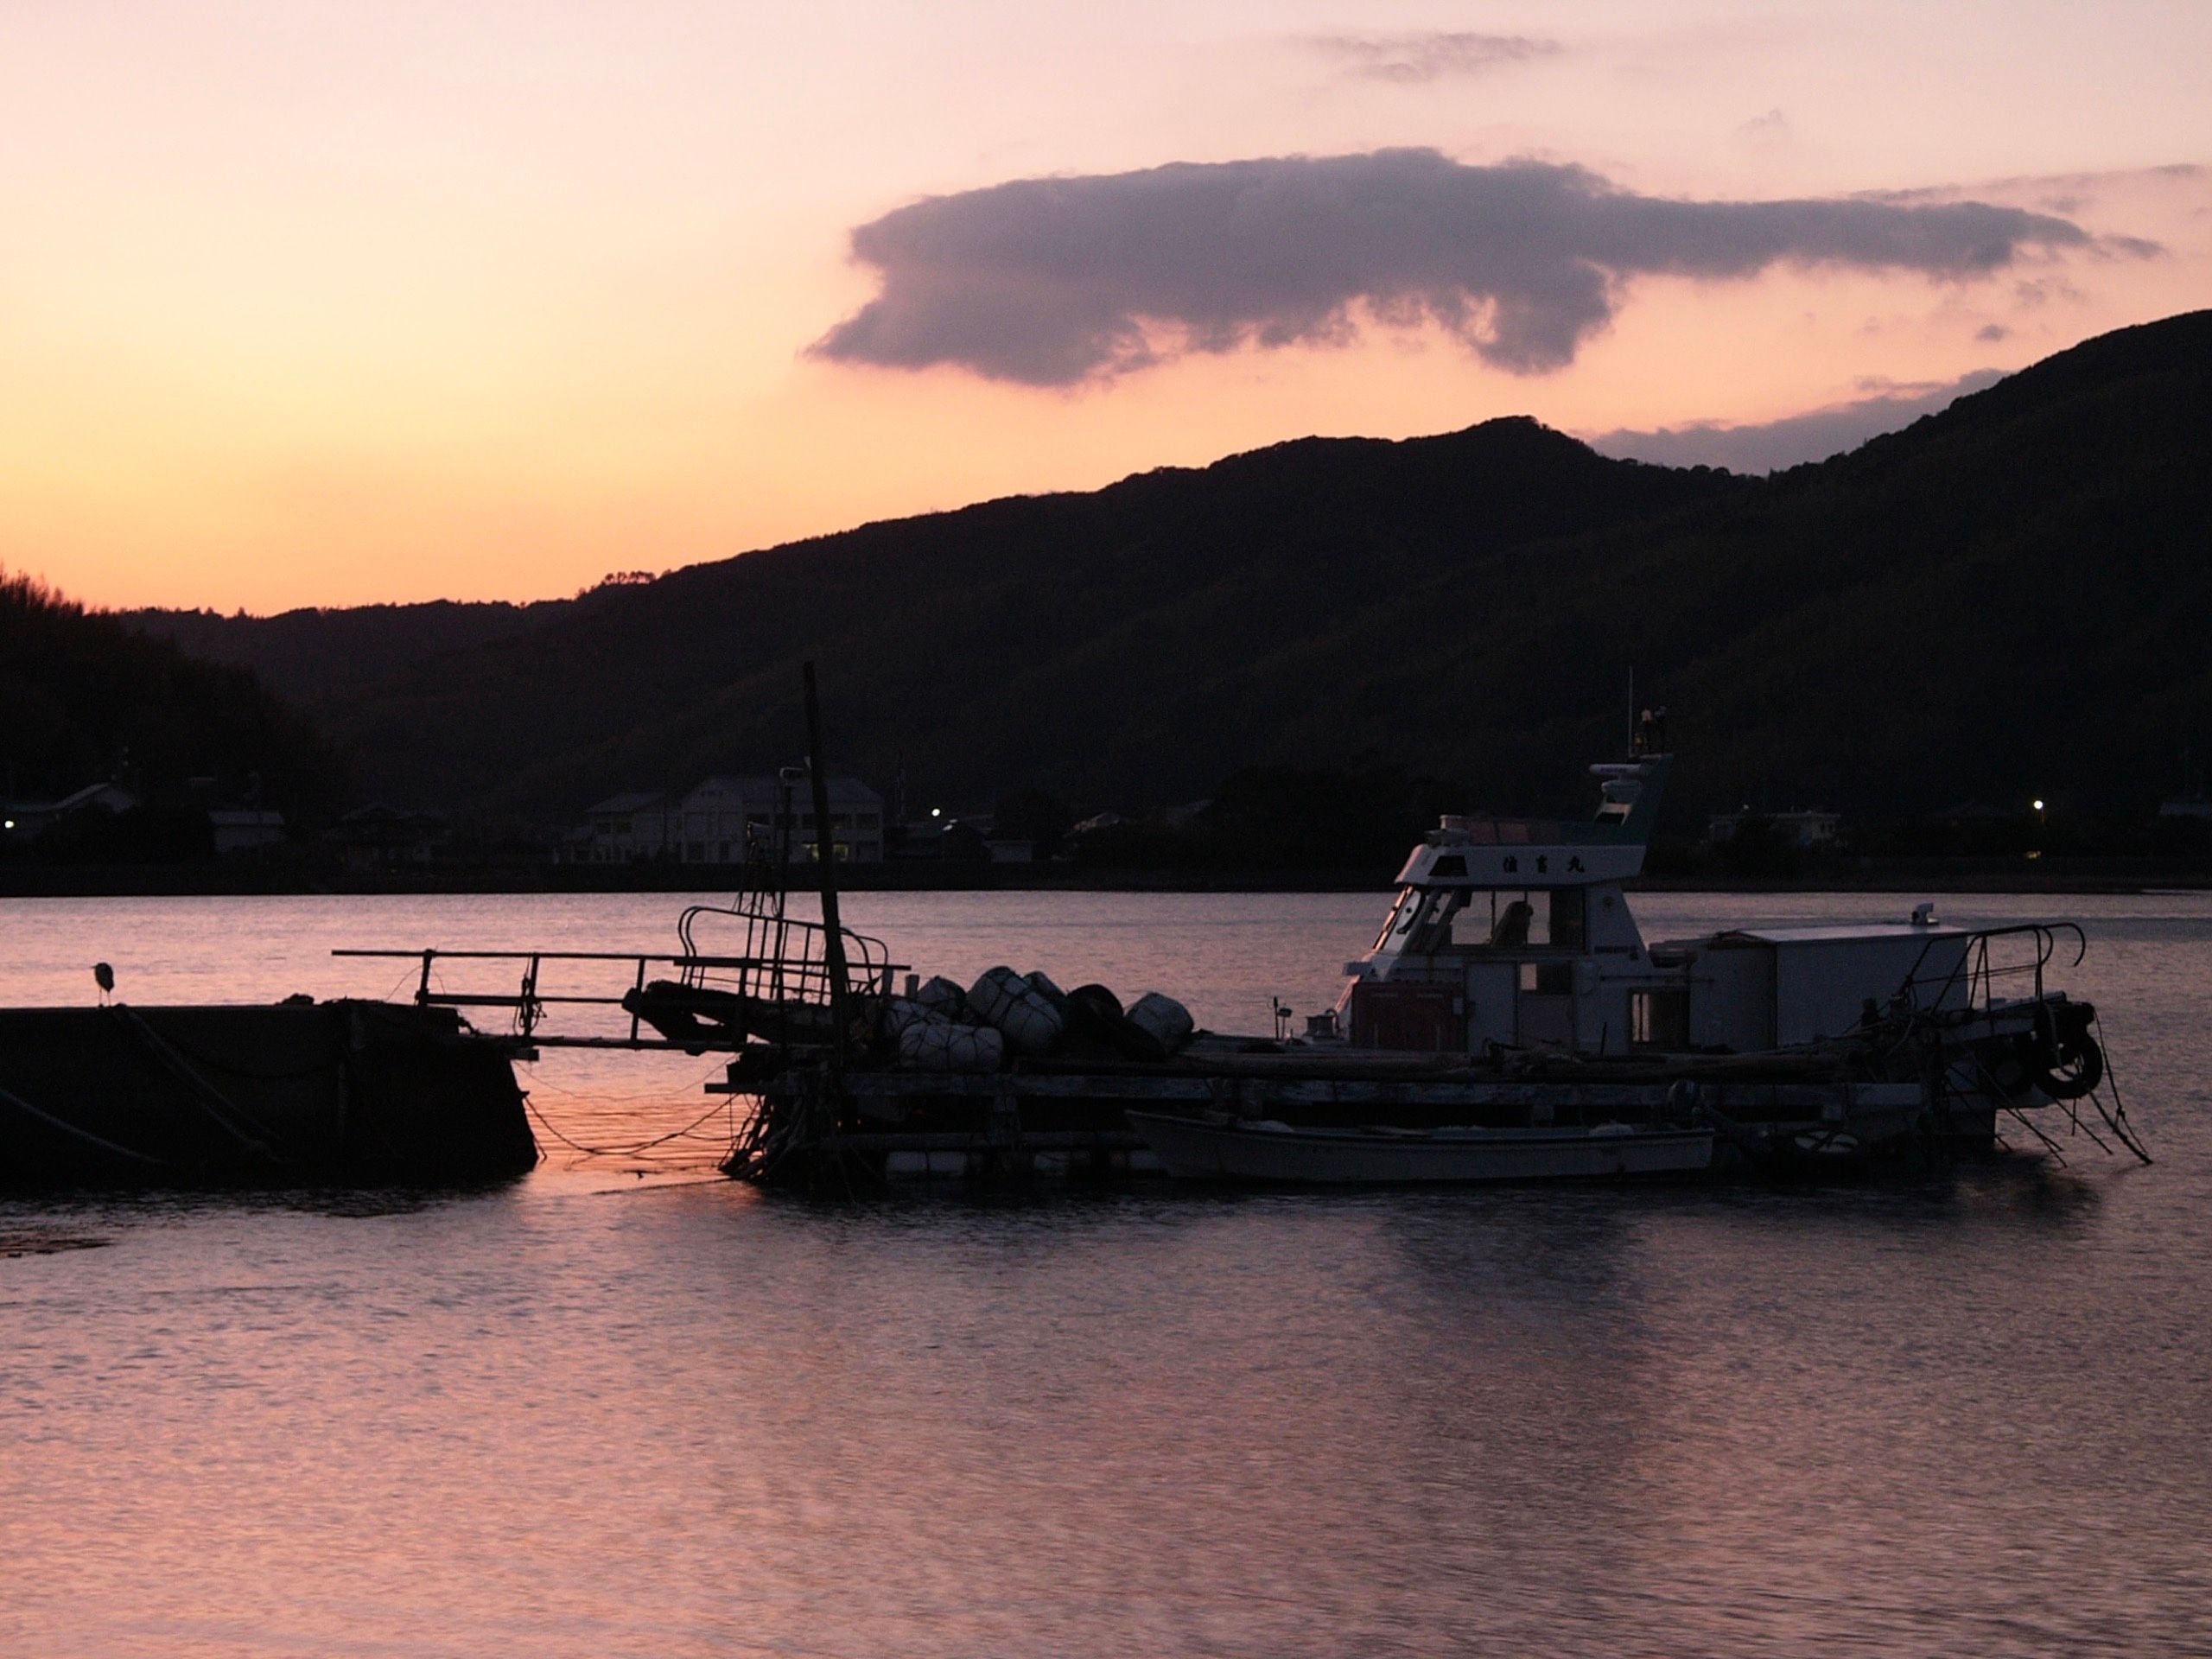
{"x":326,"y":303}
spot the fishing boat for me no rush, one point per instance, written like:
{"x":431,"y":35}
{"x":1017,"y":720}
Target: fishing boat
{"x":1516,"y":935}
{"x":1509,"y":1021}
{"x":1511,"y":944}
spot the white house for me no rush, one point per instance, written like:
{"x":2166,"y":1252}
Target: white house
{"x":244,"y":830}
{"x":623,"y":828}
{"x":1810,"y":829}
{"x":726,"y":819}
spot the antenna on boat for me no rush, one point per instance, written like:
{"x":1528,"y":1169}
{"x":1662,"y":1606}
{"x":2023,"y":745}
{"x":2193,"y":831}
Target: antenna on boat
{"x":825,"y":855}
{"x":786,"y":780}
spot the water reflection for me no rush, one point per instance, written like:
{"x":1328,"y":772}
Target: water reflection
{"x":584,"y":1412}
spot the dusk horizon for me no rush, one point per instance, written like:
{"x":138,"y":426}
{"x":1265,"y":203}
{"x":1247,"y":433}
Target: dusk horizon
{"x":1219,"y":828}
{"x":354,"y":307}
{"x":1754,"y":448}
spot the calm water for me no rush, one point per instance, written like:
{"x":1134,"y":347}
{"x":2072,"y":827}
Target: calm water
{"x":621,"y":1407}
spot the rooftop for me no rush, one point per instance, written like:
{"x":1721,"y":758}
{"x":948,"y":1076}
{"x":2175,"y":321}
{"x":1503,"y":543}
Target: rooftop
{"x":1847,"y":934}
{"x":636,"y":800}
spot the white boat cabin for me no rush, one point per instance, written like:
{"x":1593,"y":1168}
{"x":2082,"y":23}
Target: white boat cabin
{"x":1517,"y":932}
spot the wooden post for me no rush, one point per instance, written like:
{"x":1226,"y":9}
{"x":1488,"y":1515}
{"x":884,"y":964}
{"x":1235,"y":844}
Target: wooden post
{"x":825,"y":854}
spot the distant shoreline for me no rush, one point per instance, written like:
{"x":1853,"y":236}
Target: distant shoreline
{"x":2086,"y":875}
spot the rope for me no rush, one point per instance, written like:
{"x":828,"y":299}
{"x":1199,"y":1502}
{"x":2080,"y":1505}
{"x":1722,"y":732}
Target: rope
{"x":212,"y":1100}
{"x":538,"y":1081}
{"x":637,"y":1150}
{"x":2116,"y":1119}
{"x":109,"y":1146}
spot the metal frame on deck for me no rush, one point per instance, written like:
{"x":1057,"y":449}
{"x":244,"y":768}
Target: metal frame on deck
{"x":777,"y":974}
{"x":1976,"y":973}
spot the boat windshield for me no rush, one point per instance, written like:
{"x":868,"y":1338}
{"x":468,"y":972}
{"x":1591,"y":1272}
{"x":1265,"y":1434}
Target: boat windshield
{"x":1421,"y":921}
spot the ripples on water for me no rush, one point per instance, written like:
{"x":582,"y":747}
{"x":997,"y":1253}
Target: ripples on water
{"x":598,"y":1412}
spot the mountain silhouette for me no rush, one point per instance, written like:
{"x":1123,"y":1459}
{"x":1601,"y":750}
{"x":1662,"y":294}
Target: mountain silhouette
{"x":2004,"y":600}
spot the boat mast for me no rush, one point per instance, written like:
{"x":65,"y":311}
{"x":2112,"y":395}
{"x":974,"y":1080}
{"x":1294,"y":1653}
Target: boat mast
{"x":825,"y":854}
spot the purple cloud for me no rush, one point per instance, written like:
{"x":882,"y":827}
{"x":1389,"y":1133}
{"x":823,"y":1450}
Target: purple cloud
{"x":1051,"y":282}
{"x":1771,"y":446}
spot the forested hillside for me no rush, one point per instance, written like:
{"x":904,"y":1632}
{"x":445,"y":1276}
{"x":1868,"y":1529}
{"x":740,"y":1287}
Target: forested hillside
{"x":86,"y":699}
{"x":328,"y":655}
{"x":2002,"y":599}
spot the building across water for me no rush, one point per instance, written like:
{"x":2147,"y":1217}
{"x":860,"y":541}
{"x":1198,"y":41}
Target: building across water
{"x":724,"y":820}
{"x":1807,"y":829}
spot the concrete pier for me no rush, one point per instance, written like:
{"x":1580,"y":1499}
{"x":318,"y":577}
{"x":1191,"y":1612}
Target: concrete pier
{"x":296,"y":1093}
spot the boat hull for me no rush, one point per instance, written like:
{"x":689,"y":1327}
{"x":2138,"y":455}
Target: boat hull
{"x":1196,"y":1149}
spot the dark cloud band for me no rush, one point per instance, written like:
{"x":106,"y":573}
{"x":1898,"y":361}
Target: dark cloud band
{"x":1049,"y":282}
{"x":1771,"y":446}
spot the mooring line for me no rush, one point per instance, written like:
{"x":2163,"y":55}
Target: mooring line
{"x":620,"y":1152}
{"x":214,"y":1103}
{"x":84,"y":1135}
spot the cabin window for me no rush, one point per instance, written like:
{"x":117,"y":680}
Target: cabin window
{"x":1520,"y":919}
{"x":1449,"y":864}
{"x":1511,"y":928}
{"x":1420,"y":921}
{"x":1548,"y":978}
{"x":1659,"y":1019}
{"x":1569,"y":924}
{"x":1433,"y":922}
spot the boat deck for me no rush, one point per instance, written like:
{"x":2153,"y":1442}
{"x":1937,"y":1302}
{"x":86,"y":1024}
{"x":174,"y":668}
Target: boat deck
{"x":1051,"y":1119}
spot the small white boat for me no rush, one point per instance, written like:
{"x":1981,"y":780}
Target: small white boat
{"x":1263,"y":1150}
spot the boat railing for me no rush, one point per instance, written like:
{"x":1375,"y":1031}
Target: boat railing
{"x":798,"y":974}
{"x":1978,"y":976}
{"x":778,"y":957}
